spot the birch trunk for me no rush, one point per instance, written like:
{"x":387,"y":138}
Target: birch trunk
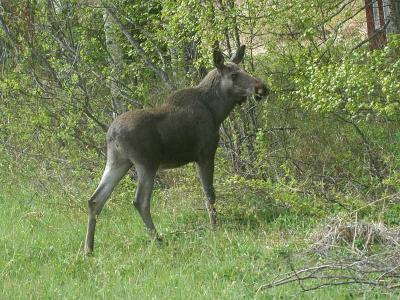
{"x":394,"y":17}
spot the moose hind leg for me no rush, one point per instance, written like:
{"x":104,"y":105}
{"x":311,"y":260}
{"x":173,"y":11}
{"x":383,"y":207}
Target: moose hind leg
{"x":111,"y":176}
{"x":144,"y":190}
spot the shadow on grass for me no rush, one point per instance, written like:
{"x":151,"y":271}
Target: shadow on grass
{"x":254,"y":213}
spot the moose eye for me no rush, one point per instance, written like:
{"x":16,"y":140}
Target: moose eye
{"x":234,"y":76}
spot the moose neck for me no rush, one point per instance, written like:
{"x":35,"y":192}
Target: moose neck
{"x":222,"y":107}
{"x":219,"y":103}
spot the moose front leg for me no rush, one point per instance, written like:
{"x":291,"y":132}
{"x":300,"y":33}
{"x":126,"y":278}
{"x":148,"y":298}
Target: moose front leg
{"x":206,"y":172}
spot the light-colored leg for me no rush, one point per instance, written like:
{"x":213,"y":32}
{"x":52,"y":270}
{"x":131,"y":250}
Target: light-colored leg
{"x":111,"y":176}
{"x":206,"y":172}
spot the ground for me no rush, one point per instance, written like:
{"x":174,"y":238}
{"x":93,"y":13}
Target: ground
{"x":42,"y":234}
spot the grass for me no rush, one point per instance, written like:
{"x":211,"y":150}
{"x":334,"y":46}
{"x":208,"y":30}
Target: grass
{"x":41,"y":236}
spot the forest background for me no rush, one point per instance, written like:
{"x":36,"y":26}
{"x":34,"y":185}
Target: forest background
{"x":307,"y":181}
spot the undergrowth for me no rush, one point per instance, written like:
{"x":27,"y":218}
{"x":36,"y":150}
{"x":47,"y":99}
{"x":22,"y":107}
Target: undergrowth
{"x":262,"y":234}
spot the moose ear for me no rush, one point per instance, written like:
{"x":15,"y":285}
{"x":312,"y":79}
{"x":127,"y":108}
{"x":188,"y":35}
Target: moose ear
{"x":218,"y":59}
{"x":238,"y":56}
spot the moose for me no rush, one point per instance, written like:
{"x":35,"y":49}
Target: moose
{"x":184,"y":129}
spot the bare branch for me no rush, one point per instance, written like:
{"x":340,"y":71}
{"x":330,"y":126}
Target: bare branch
{"x":379,"y":31}
{"x":161,"y":73}
{"x":333,"y":275}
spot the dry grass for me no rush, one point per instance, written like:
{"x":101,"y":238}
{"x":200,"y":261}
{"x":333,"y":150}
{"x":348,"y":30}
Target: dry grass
{"x":358,"y":235}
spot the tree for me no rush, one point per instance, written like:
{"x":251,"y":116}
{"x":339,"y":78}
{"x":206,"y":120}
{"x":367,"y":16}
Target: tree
{"x":394,"y":24}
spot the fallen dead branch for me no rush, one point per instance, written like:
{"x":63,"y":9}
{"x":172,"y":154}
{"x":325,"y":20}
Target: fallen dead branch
{"x":382,"y":271}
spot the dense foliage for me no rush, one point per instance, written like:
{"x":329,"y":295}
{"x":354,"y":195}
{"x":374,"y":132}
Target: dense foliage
{"x":330,"y":127}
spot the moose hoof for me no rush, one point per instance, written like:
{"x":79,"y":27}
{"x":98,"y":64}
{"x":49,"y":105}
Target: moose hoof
{"x":154,"y":236}
{"x":88,"y":253}
{"x":213,"y":219}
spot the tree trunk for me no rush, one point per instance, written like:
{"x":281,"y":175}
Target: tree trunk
{"x":394,"y":17}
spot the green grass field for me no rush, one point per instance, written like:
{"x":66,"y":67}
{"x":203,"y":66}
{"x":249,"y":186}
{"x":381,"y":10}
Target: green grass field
{"x":42,"y":233}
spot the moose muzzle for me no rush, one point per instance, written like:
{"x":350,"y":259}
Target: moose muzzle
{"x":261,"y":90}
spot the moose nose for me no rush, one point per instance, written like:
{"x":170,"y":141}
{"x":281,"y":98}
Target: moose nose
{"x":261,"y":90}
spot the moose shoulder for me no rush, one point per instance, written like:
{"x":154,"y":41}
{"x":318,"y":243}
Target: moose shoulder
{"x":184,"y":129}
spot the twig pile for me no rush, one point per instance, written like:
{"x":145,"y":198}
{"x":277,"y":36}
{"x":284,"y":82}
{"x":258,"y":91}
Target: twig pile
{"x":358,"y":236}
{"x":380,"y":270}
